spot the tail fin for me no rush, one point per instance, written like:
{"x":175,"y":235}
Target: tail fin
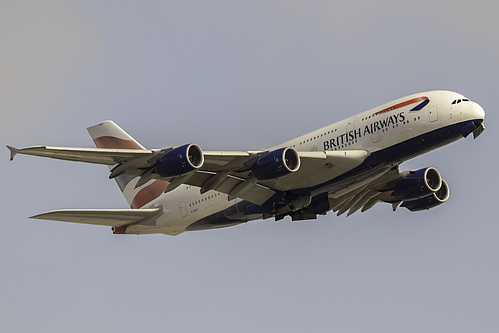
{"x":109,"y":135}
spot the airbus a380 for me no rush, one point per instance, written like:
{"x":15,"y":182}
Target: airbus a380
{"x":348,"y":166}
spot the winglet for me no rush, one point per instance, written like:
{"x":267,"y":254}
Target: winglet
{"x":13,"y":151}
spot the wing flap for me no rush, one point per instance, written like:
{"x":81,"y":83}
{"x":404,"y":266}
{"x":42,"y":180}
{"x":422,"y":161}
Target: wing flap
{"x":109,"y":217}
{"x":317,"y":167}
{"x":245,"y":189}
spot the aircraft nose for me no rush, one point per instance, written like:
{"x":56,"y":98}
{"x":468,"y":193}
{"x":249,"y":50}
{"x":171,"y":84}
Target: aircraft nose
{"x":475,"y":125}
{"x":477,"y":111}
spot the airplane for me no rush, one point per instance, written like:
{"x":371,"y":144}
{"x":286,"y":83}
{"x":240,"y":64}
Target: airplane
{"x":348,"y":166}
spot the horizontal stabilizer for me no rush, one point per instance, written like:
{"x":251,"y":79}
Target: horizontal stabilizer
{"x":109,"y":217}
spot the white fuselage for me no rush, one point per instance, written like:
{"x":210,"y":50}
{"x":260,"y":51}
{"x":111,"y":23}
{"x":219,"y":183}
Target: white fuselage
{"x":373,"y":130}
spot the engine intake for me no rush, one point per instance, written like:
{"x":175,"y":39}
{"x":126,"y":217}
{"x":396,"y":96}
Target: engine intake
{"x":430,"y":201}
{"x":276,"y":164}
{"x":418,"y":184}
{"x":179,"y":161}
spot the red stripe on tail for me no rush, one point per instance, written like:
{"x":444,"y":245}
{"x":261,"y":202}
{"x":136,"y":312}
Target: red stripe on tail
{"x":149,"y":193}
{"x":113,"y":142}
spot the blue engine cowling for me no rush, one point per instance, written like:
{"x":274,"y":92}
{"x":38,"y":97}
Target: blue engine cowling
{"x":180,"y":160}
{"x":418,"y":184}
{"x":276,"y":164}
{"x":430,"y":201}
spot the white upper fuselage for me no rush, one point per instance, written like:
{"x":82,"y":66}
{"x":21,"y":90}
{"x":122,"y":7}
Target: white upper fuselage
{"x":374,"y":130}
{"x":382,"y":127}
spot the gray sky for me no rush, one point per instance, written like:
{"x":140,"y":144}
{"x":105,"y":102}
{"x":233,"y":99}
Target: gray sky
{"x":242,"y":75}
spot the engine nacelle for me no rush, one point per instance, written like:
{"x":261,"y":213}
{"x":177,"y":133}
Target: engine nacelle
{"x":180,"y":160}
{"x":430,"y":201}
{"x":276,"y":164}
{"x":418,"y":184}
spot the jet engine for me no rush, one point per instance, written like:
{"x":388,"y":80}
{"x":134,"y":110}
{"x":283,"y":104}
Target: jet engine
{"x":418,"y":184}
{"x":429,"y":201}
{"x":180,"y":160}
{"x":276,"y":164}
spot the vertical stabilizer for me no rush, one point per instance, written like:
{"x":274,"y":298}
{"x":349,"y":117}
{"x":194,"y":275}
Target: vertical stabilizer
{"x":109,"y":135}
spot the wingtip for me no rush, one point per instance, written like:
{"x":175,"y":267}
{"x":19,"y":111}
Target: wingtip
{"x":13,"y":151}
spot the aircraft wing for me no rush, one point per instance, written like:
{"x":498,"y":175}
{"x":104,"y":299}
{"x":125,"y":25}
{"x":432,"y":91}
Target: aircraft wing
{"x":316,"y":168}
{"x":133,"y":158}
{"x":109,"y":217}
{"x":89,"y":155}
{"x":225,"y":171}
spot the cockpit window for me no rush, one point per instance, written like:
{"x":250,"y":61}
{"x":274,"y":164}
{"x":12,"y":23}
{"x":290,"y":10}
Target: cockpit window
{"x":457,"y":101}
